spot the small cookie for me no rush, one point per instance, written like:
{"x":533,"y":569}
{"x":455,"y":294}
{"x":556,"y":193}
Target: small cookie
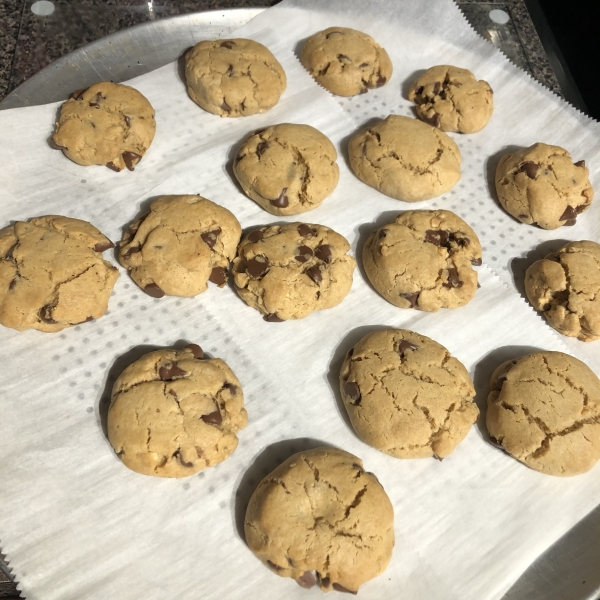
{"x":406,"y":396}
{"x":289,"y":271}
{"x":544,"y":409}
{"x":173,"y":413}
{"x":108,"y":124}
{"x":405,"y":158}
{"x":233,"y":78}
{"x":52,"y":274}
{"x":180,"y":245}
{"x":541,"y":186}
{"x":345,"y":61}
{"x":321,"y":519}
{"x":287,"y":169}
{"x":424,"y":259}
{"x":452,"y":99}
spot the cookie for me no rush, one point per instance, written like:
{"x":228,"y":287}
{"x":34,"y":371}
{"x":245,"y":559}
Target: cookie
{"x":108,"y":124}
{"x":345,"y":61}
{"x":541,"y":186}
{"x":174,"y":413}
{"x":544,"y":409}
{"x":233,"y":78}
{"x":180,"y":245}
{"x":405,"y":158}
{"x":287,"y":169}
{"x":424,"y":259}
{"x":289,"y":271}
{"x":452,"y":99}
{"x":321,"y":519}
{"x":52,"y":274}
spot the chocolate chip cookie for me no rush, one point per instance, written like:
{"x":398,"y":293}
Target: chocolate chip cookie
{"x":52,"y":274}
{"x":345,"y":61}
{"x":180,"y":245}
{"x":289,"y":271}
{"x":541,"y":185}
{"x":287,"y":169}
{"x":107,"y":124}
{"x":323,"y":520}
{"x":233,"y":78}
{"x":174,"y":413}
{"x":544,"y":409}
{"x":406,"y":395}
{"x":405,"y":158}
{"x":424,"y":259}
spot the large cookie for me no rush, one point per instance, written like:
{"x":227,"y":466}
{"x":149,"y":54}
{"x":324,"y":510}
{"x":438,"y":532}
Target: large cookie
{"x":233,"y":78}
{"x":52,"y":274}
{"x":108,"y":124}
{"x":424,"y":259}
{"x":174,"y":413}
{"x":405,"y":158}
{"x":541,"y":186}
{"x":180,"y":245}
{"x":544,"y":409}
{"x":289,"y":271}
{"x":321,"y":519}
{"x":287,"y":169}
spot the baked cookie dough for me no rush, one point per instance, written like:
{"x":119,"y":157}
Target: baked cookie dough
{"x":52,"y":274}
{"x":424,"y":259}
{"x":233,"y":78}
{"x":321,"y":519}
{"x":174,"y":413}
{"x":345,"y":61}
{"x":405,"y":158}
{"x":541,"y":185}
{"x":287,"y":169}
{"x":180,"y":245}
{"x":452,"y":99}
{"x":289,"y":271}
{"x":406,"y":395}
{"x":544,"y":409}
{"x":108,"y":124}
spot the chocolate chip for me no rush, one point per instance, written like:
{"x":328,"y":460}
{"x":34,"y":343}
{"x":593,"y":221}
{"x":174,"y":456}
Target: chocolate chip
{"x":406,"y":345}
{"x":434,"y":120}
{"x":196,"y":350}
{"x":111,"y":165}
{"x":226,"y":106}
{"x":352,"y":390}
{"x":412,"y":297}
{"x":340,"y":588}
{"x":570,"y":213}
{"x":55,"y":146}
{"x":256,"y":235}
{"x":437,"y":237}
{"x":282,"y":201}
{"x":529,"y":168}
{"x":273,"y":318}
{"x":258,"y":266}
{"x":363,"y":65}
{"x":350,"y":353}
{"x":213,"y":418}
{"x":179,"y":458}
{"x":382,"y":233}
{"x":210,"y":237}
{"x":12,"y":284}
{"x":306,"y":230}
{"x":127,"y":121}
{"x":77,"y":94}
{"x":153,"y":290}
{"x":95,"y":101}
{"x":477,"y":262}
{"x":315,"y":274}
{"x":580,"y":163}
{"x":46,"y":314}
{"x":167,"y":373}
{"x":132,"y":250}
{"x":453,"y":280}
{"x":232,"y":388}
{"x":131,"y":159}
{"x":227,"y":44}
{"x":309,"y":578}
{"x":381,"y":80}
{"x":570,"y":223}
{"x":325,"y":581}
{"x":437,"y":87}
{"x":420,"y":90}
{"x":304,"y":253}
{"x":500,"y":381}
{"x":579,"y":209}
{"x":261,"y":148}
{"x":478,"y":285}
{"x":323,"y":252}
{"x":274,"y":566}
{"x":219,"y":276}
{"x":102,"y":246}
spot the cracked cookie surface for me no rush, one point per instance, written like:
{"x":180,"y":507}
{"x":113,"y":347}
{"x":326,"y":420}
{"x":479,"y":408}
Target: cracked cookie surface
{"x":233,"y":78}
{"x":289,"y":271}
{"x":544,"y":410}
{"x":541,"y":185}
{"x":346,"y":62}
{"x":184,"y":242}
{"x":452,"y":99}
{"x":174,"y":413}
{"x":405,"y":158}
{"x":424,"y":259}
{"x":406,"y":395}
{"x":107,"y":124}
{"x":321,"y":519}
{"x":52,"y":274}
{"x":287,"y":169}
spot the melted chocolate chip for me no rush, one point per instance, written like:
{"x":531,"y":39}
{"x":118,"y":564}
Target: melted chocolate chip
{"x":102,"y":246}
{"x":580,"y":163}
{"x":273,"y":318}
{"x":476,"y":262}
{"x":412,"y":297}
{"x":210,"y":237}
{"x":274,"y":566}
{"x":530,"y":169}
{"x":131,"y":159}
{"x":570,"y":213}
{"x":381,"y":81}
{"x":127,"y":121}
{"x":420,"y":90}
{"x":226,"y":106}
{"x":196,"y":350}
{"x":310,"y":578}
{"x":434,"y":120}
{"x":282,"y":201}
{"x":111,"y":165}
{"x":315,"y":274}
{"x":437,"y":237}
{"x":219,"y":276}
{"x":340,"y":588}
{"x":12,"y":284}
{"x":227,"y":44}
{"x":323,"y":252}
{"x":132,"y":250}
{"x":304,"y":253}
{"x":256,"y":236}
{"x":213,"y":418}
{"x":437,"y":87}
{"x":406,"y":345}
{"x":352,"y":390}
{"x":179,"y":458}
{"x":153,"y":290}
{"x":363,"y":65}
{"x":77,"y":94}
{"x":167,"y":373}
{"x":46,"y":314}
{"x":261,"y":148}
{"x":453,"y":280}
{"x":232,"y":388}
{"x":306,"y":230}
{"x":95,"y":101}
{"x":258,"y":266}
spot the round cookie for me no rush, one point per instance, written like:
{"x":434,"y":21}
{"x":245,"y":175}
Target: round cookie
{"x":424,"y":259}
{"x":544,"y":409}
{"x":345,"y":61}
{"x":541,"y":186}
{"x":287,"y":169}
{"x":233,"y":78}
{"x":289,"y":271}
{"x":405,"y":158}
{"x":180,"y":245}
{"x":452,"y":99}
{"x":174,"y":413}
{"x":406,"y":396}
{"x":108,"y":124}
{"x":52,"y":274}
{"x":310,"y":517}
